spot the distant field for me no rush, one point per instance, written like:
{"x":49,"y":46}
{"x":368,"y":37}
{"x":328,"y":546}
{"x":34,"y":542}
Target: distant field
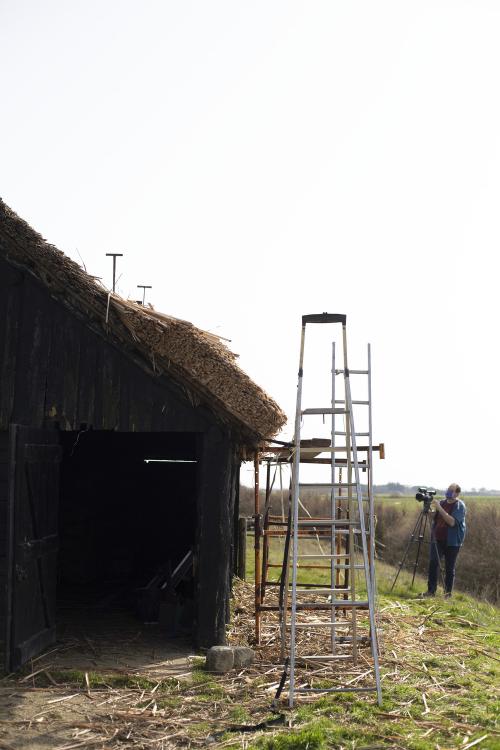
{"x":478,"y":564}
{"x":385,"y":573}
{"x":411,"y":499}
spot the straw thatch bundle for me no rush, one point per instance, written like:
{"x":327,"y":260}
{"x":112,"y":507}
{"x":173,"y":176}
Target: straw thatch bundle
{"x":198,"y":361}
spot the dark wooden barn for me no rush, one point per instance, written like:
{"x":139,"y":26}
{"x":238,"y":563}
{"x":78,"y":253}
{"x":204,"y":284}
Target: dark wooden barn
{"x":121,"y":436}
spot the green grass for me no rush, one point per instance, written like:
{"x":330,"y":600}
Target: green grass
{"x":440,"y":649}
{"x":305,"y":575}
{"x":454,"y":663}
{"x":305,"y":738}
{"x":440,"y":678}
{"x":92,"y":680}
{"x":460,"y":651}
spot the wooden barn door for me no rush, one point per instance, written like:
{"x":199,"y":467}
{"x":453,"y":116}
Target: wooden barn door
{"x":33,"y":536}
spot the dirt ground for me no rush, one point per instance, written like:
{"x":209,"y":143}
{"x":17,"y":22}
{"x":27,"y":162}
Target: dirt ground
{"x":111,"y":683}
{"x":48,"y":717}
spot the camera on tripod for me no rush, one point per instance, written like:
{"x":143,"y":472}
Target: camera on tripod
{"x":425,"y":495}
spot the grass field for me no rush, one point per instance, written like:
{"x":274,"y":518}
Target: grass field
{"x":440,"y":676}
{"x":410,"y":499}
{"x":440,"y":680}
{"x":440,"y":671}
{"x":478,"y":563}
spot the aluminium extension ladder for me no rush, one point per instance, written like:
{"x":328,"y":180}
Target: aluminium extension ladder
{"x":346,"y":529}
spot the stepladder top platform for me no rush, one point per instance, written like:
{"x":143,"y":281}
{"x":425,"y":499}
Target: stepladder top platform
{"x":324,"y":318}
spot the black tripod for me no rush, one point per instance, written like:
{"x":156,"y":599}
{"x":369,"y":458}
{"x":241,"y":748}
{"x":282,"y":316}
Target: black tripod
{"x":418,"y":534}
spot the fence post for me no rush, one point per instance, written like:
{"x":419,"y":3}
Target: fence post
{"x":242,"y":548}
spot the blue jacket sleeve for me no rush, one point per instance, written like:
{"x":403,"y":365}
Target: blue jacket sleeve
{"x":458,"y":512}
{"x":456,"y":533}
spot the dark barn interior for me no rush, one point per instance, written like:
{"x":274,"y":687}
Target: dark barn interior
{"x":121,"y":435}
{"x":127,"y":512}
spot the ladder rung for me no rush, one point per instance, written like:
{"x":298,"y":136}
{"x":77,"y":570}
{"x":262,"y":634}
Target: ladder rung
{"x":306,"y":606}
{"x":323,"y":624}
{"x":358,"y":372}
{"x":315,"y":530}
{"x":347,"y":531}
{"x":336,"y":449}
{"x":342,"y":590}
{"x":362,"y":403}
{"x":327,"y":657}
{"x":325,"y":607}
{"x":340,"y":640}
{"x":302,"y":567}
{"x":320,"y":588}
{"x":323,"y":567}
{"x":318,"y":554}
{"x":326,"y":485}
{"x":346,"y":689}
{"x":339,"y":463}
{"x":340,"y":603}
{"x":327,"y":522}
{"x":326,"y":410}
{"x":358,"y":434}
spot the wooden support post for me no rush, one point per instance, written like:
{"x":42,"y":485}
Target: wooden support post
{"x":242,"y":548}
{"x":257,"y":521}
{"x":265,"y":539}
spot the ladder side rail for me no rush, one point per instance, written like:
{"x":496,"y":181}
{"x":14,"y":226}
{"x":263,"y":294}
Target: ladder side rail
{"x":284,"y":583}
{"x":285,"y":575}
{"x":265,"y":527}
{"x":333,"y":563}
{"x":357,"y":510}
{"x":350,"y":541}
{"x":368,"y":581}
{"x":295,"y":514}
{"x":258,"y":570}
{"x":371,"y":503}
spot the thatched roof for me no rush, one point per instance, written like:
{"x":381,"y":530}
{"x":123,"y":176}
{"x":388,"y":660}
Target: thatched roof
{"x":198,"y":361}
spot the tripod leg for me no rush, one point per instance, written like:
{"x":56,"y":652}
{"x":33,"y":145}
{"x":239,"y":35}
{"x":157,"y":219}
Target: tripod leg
{"x":412,"y":537}
{"x":420,"y":538}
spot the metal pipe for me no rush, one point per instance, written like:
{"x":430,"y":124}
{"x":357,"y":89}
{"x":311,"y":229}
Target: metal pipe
{"x":258,"y":601}
{"x":114,"y":256}
{"x":265,"y":541}
{"x":295,"y":512}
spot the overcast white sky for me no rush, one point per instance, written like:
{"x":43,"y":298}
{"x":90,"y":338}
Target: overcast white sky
{"x":260,"y":160}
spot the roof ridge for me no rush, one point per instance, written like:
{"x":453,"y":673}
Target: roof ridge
{"x":202,"y":361}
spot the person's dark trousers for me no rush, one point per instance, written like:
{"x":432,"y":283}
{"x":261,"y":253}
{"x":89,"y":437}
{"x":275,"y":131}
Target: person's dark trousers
{"x":438,"y":550}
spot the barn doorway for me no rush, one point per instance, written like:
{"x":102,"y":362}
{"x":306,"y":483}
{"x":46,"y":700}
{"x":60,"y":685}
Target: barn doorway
{"x":127,"y":534}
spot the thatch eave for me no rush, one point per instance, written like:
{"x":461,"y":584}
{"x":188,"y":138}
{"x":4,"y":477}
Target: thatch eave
{"x":198,"y":362}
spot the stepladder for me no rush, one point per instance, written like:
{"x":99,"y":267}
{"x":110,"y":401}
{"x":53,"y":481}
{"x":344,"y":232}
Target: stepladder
{"x":328,"y":594}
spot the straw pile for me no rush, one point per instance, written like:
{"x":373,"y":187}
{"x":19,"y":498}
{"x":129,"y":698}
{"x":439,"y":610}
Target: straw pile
{"x":309,"y":641}
{"x":199,"y":362}
{"x":154,"y":711}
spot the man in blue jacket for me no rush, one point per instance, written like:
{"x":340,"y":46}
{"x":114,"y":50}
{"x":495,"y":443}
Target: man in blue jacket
{"x":447,"y":536}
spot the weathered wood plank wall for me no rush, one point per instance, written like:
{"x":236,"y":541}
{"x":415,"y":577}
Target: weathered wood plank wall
{"x":3,"y":539}
{"x":215,"y":512}
{"x":55,"y":369}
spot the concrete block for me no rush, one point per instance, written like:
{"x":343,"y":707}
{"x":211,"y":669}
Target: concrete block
{"x":220,"y":659}
{"x":243,"y":656}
